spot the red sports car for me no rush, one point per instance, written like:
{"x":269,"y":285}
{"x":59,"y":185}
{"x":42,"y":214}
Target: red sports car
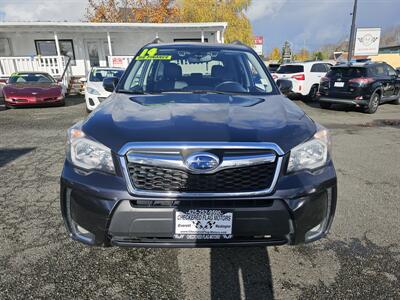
{"x":32,"y":88}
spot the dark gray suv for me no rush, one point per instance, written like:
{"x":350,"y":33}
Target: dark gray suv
{"x":197,"y":147}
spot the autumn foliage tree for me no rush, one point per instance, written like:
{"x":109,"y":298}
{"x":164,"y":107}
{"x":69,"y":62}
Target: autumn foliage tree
{"x":103,"y":11}
{"x":303,"y":55}
{"x":160,"y":11}
{"x":151,"y":11}
{"x":275,"y":54}
{"x":231,"y":11}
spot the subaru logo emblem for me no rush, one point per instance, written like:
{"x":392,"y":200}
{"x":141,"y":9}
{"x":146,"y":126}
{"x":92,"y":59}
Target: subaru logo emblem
{"x":202,"y":162}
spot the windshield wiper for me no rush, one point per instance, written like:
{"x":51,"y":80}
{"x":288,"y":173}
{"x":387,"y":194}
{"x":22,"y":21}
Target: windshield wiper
{"x":133,"y":92}
{"x":195,"y":92}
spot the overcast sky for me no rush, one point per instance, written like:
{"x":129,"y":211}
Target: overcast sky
{"x":303,"y":22}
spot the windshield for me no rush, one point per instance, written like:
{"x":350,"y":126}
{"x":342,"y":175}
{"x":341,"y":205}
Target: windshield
{"x":30,"y":77}
{"x":351,"y":72}
{"x":289,"y":69}
{"x":98,"y":75}
{"x":195,"y":70}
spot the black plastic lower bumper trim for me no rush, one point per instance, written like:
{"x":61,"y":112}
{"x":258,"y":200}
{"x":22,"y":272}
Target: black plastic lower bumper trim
{"x":199,"y":244}
{"x":343,"y":101}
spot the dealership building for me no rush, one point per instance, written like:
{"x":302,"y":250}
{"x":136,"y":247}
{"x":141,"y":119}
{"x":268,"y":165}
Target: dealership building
{"x":72,"y":49}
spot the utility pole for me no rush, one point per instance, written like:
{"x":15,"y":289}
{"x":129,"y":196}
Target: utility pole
{"x":352,"y":32}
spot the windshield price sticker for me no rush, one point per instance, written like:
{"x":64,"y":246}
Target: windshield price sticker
{"x":151,"y":54}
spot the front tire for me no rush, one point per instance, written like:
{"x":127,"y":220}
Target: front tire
{"x":373,"y":104}
{"x":325,"y":105}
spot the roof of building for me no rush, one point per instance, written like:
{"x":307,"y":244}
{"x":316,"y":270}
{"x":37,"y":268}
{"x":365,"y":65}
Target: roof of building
{"x":86,"y":26}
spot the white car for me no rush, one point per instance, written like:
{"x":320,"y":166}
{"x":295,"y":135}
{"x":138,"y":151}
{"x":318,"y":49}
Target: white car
{"x":305,"y":76}
{"x":94,"y":91}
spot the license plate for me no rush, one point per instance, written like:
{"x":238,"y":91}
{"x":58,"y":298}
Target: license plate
{"x":339,"y":84}
{"x":203,"y":224}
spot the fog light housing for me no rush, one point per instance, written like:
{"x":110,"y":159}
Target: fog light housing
{"x":77,"y":232}
{"x":321,"y":229}
{"x":82,"y":234}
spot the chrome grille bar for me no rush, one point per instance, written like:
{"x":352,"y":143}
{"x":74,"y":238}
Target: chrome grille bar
{"x":166,"y":155}
{"x":177,"y":161}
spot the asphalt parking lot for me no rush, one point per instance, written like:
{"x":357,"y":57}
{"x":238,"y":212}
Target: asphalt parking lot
{"x":360,"y":259}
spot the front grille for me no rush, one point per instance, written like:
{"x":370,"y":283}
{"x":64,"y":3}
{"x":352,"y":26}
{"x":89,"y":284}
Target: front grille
{"x":160,"y":179}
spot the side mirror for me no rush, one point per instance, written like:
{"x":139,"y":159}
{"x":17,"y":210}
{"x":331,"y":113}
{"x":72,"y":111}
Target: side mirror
{"x":110,"y":83}
{"x":285,"y":86}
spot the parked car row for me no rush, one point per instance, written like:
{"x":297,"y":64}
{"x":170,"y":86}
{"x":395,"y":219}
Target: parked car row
{"x":361,"y":84}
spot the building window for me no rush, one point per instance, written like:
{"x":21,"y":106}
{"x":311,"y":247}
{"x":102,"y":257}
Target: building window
{"x":48,"y":48}
{"x":5,"y":49}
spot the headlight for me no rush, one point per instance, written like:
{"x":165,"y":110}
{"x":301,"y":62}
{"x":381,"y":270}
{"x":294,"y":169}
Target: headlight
{"x":312,"y":154}
{"x":88,"y":154}
{"x":92,"y":91}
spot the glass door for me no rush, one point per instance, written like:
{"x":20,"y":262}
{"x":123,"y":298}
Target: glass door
{"x":92,"y":53}
{"x":96,"y":54}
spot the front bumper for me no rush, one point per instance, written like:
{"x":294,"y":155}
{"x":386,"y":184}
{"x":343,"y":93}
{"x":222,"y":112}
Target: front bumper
{"x":92,"y":101}
{"x":98,"y":210}
{"x":33,"y":102}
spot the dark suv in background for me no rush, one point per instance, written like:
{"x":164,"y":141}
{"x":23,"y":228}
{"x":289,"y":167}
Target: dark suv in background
{"x":364,"y":85}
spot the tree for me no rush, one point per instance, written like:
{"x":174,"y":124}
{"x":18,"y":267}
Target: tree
{"x":231,"y":11}
{"x":318,"y":55}
{"x":275,"y":54}
{"x":160,"y":11}
{"x":152,"y":11}
{"x":303,"y":55}
{"x":104,"y":11}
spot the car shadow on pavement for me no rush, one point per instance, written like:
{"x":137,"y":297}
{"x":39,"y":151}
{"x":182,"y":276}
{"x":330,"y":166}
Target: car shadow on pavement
{"x":315,"y":104}
{"x":241,"y":273}
{"x":335,"y":107}
{"x":9,"y":154}
{"x":74,"y":100}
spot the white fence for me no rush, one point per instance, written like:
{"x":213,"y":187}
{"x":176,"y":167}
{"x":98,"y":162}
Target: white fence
{"x":119,"y":61}
{"x":54,"y":65}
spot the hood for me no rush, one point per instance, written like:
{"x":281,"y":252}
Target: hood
{"x":27,"y":90}
{"x":198,"y":118}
